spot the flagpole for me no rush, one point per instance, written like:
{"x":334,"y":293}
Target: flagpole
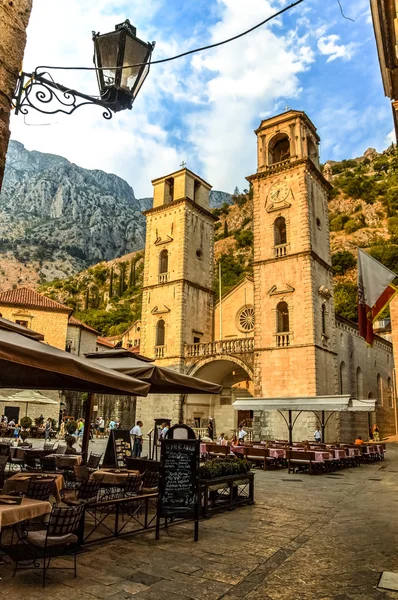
{"x":394,"y":396}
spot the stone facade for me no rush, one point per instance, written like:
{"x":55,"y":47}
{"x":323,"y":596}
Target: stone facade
{"x":52,"y":324}
{"x":80,"y":341}
{"x":297,"y":346}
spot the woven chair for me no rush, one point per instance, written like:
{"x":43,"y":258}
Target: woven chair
{"x":39,"y":490}
{"x":60,"y":537}
{"x":93,"y":461}
{"x":31,"y":462}
{"x":133,"y":485}
{"x":48,"y":446}
{"x":5,"y":449}
{"x":87,"y":490}
{"x":81,"y":473}
{"x":150,"y":482}
{"x":3,"y":463}
{"x":48,"y":463}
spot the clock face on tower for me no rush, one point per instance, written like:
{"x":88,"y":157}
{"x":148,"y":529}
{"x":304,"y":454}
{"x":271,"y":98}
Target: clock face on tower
{"x":279,"y":192}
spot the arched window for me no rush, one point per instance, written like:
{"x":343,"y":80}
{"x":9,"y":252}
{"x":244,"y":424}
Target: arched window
{"x":359,"y":390}
{"x":379,"y":389}
{"x":343,"y":378}
{"x":279,"y":149}
{"x":163,"y":261}
{"x":323,"y":319}
{"x":160,"y":333}
{"x":280,"y":236}
{"x":282,"y":318}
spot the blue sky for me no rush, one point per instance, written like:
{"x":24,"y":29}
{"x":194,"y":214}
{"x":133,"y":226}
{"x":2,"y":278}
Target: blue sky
{"x":203,"y":109}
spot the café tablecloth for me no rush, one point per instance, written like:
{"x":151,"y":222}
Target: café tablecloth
{"x":277,"y":452}
{"x":67,"y":460}
{"x":321,"y":456}
{"x":237,"y":449}
{"x":20,"y":482}
{"x":28,"y":509}
{"x":111,"y":477}
{"x":337,"y":453}
{"x":353,"y":452}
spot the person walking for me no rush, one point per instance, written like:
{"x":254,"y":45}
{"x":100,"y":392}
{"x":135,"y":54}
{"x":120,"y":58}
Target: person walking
{"x":136,"y":433}
{"x":376,"y":433}
{"x":210,"y":428}
{"x":101,"y":427}
{"x":47,"y":431}
{"x":317,"y":436}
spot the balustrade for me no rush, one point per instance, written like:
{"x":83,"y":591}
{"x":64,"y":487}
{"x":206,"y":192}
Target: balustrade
{"x":159,"y":351}
{"x":280,"y":250}
{"x":282,"y":340}
{"x":163,"y":277}
{"x":236,"y":346}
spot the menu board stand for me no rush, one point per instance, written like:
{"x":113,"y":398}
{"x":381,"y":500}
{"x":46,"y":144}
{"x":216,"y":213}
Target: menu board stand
{"x":179,"y":486}
{"x":118,"y":448}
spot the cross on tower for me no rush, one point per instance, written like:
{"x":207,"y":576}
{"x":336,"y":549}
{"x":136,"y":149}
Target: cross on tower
{"x":183,"y":164}
{"x":286,"y":108}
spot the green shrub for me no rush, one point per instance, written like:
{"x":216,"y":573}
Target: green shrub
{"x":392,"y":224}
{"x":26,"y":422}
{"x":352,"y":225}
{"x":244,"y":238}
{"x":70,"y":427}
{"x":345,"y":300}
{"x":337,"y":224}
{"x":342,"y":261}
{"x":221,"y":468}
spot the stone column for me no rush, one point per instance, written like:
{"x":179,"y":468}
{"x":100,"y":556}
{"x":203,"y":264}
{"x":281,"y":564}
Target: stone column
{"x":14,"y":18}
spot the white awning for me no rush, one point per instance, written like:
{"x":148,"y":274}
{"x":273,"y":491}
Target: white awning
{"x":328,"y":403}
{"x":368,"y":405}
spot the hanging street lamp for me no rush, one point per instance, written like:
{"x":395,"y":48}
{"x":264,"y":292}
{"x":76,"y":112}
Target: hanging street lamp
{"x":122,"y":63}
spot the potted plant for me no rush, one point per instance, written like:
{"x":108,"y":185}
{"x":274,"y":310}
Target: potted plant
{"x":26,"y":424}
{"x":70,"y":428}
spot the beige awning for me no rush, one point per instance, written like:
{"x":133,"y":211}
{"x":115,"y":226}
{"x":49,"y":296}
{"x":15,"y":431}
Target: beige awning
{"x":327,"y":403}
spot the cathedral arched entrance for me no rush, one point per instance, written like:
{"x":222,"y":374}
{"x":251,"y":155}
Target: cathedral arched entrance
{"x":236,"y":377}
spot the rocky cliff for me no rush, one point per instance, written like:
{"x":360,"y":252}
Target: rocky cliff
{"x":57,"y":218}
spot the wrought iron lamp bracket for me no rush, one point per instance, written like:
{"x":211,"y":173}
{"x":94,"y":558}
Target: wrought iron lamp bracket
{"x":36,"y":92}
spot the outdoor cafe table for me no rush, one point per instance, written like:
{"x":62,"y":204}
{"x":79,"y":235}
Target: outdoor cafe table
{"x":321,"y":456}
{"x":238,"y":449}
{"x":337,"y":453}
{"x":17,"y":452}
{"x":67,"y":460}
{"x":353,"y":451}
{"x":28,"y":509}
{"x":277,"y":452}
{"x":113,"y":476}
{"x":20,"y":483}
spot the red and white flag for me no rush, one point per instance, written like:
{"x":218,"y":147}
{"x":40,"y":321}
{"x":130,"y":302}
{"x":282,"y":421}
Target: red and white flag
{"x":374,"y":292}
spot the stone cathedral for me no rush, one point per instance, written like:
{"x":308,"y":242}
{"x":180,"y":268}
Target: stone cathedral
{"x":280,"y":336}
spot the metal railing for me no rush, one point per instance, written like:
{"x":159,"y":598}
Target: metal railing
{"x":106,"y":519}
{"x":236,"y":346}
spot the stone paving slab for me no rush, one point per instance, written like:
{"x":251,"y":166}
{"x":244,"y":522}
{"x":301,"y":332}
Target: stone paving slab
{"x":324,"y":538}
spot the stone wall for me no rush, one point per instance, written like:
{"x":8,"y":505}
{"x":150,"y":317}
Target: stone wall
{"x":81,"y":340}
{"x":53,"y":325}
{"x":242,"y":295}
{"x":33,"y":410}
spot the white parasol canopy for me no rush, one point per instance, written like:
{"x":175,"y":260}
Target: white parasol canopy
{"x":310,"y":403}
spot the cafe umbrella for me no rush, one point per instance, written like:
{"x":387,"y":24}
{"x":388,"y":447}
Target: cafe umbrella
{"x":28,"y":363}
{"x":161,"y":379}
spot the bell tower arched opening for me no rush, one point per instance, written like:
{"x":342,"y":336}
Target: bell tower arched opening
{"x":278,"y":149}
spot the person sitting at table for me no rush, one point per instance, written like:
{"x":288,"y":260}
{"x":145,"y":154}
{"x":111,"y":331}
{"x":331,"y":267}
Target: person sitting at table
{"x":11,"y":423}
{"x":359,"y":441}
{"x":241,"y":434}
{"x":221,"y":440}
{"x":234,"y":441}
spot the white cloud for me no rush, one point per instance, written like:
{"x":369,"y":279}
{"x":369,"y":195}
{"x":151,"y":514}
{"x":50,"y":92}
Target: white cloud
{"x":242,"y":80}
{"x":329,"y":45}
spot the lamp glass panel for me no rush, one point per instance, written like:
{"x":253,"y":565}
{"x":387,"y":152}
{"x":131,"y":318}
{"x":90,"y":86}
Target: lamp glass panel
{"x":108,"y":46}
{"x":135,"y":53}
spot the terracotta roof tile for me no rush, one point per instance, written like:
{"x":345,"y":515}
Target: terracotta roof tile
{"x":103,"y":342}
{"x":26,"y":297}
{"x":76,"y":323}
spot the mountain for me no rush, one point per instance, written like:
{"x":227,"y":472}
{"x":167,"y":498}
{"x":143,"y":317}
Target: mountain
{"x":57,"y":218}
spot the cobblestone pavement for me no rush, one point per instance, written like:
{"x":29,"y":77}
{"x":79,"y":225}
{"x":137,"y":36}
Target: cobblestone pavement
{"x":325,"y":537}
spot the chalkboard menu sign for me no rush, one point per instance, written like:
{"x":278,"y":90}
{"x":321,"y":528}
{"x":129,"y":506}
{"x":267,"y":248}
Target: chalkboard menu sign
{"x":179,"y":480}
{"x":118,"y":448}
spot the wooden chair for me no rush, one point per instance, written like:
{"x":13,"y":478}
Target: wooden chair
{"x":260,"y":455}
{"x":48,"y":464}
{"x":215,"y":450}
{"x":150,"y":482}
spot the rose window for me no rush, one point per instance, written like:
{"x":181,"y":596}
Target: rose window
{"x":246,"y":319}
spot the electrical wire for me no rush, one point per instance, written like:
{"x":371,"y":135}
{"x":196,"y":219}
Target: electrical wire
{"x":195,"y":50}
{"x":341,"y":10}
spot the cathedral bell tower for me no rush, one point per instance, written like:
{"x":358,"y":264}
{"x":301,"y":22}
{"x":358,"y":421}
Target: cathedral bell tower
{"x":294,"y":338}
{"x":177,"y":298}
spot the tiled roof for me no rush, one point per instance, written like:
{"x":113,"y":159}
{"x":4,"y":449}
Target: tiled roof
{"x":26,"y":297}
{"x":103,"y":342}
{"x":76,"y":323}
